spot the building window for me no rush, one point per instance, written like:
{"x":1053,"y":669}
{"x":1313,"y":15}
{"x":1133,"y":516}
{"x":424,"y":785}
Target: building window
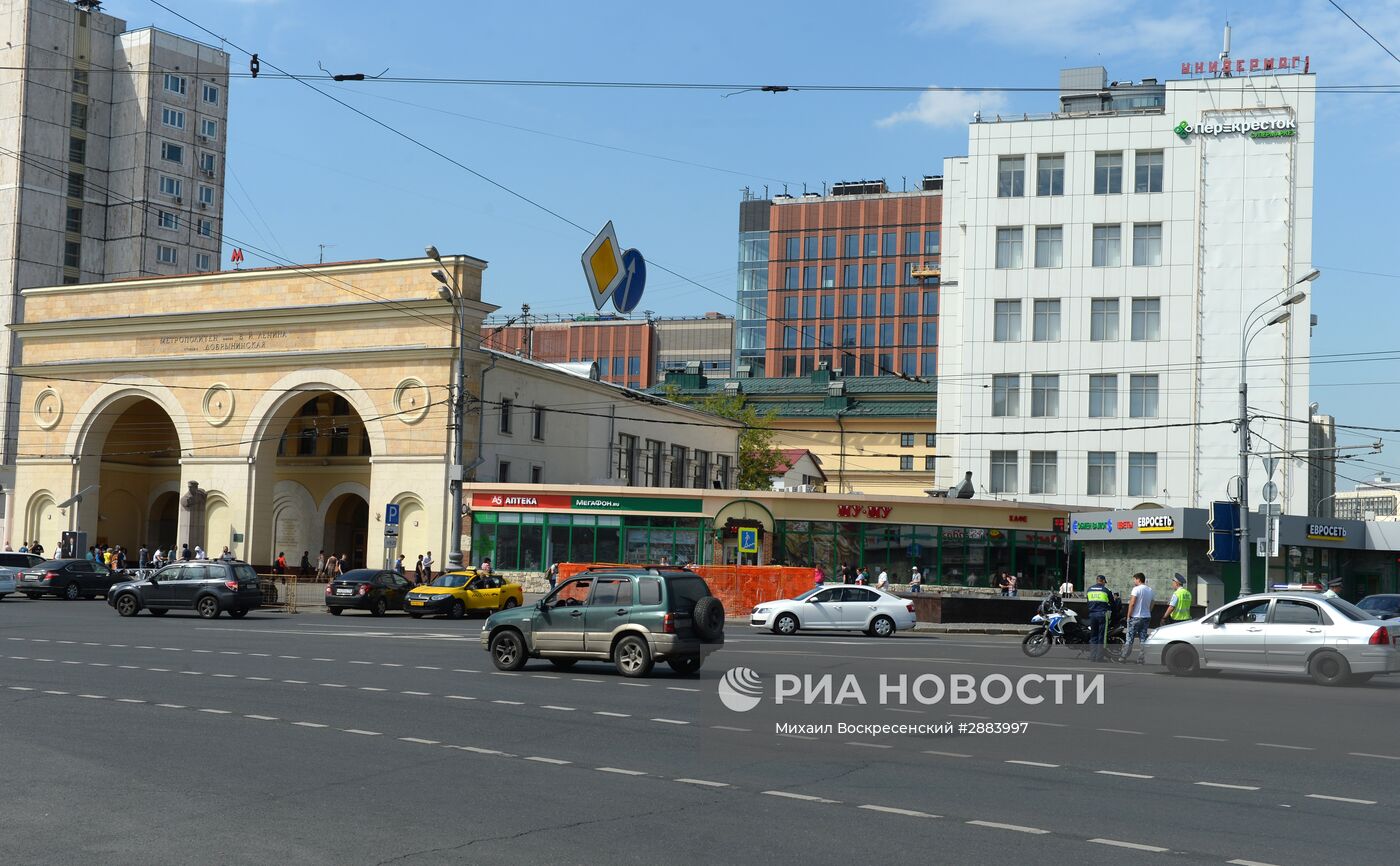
{"x":172,"y":152}
{"x":872,"y":244}
{"x":723,"y":471}
{"x":867,"y":335}
{"x":890,"y":244}
{"x":829,"y":247}
{"x":507,"y":406}
{"x":887,"y":334}
{"x":211,"y":94}
{"x":929,"y":463}
{"x":537,"y":422}
{"x":809,"y":306}
{"x":1045,"y":321}
{"x":849,"y":305}
{"x":1103,"y":320}
{"x":1049,"y":246}
{"x":166,"y":255}
{"x":930,"y":334}
{"x":76,"y":181}
{"x":887,"y":304}
{"x":678,"y":466}
{"x":1009,"y":247}
{"x":175,"y":84}
{"x":1006,"y":396}
{"x":906,"y":440}
{"x":77,"y":115}
{"x":790,"y":307}
{"x":1142,"y":395}
{"x":851,"y":246}
{"x":170,"y":186}
{"x":72,"y":254}
{"x":911,"y":243}
{"x":906,"y":462}
{"x":77,"y":150}
{"x":1006,"y":321}
{"x":930,"y":440}
{"x":1045,"y":396}
{"x":1108,"y":173}
{"x":909,"y":278}
{"x":1147,"y":319}
{"x":206,"y":228}
{"x":809,"y":278}
{"x":1003,"y":475}
{"x":932,"y":241}
{"x":206,"y":195}
{"x":80,"y":81}
{"x":74,"y":223}
{"x":202,"y":262}
{"x":1050,"y":174}
{"x":1142,"y":473}
{"x":867,"y":305}
{"x":930,"y":303}
{"x":928,"y":364}
{"x":884,"y":363}
{"x":209,"y":128}
{"x":206,"y":163}
{"x":1108,"y":246}
{"x":794,"y":248}
{"x":536,"y":474}
{"x":809,"y":247}
{"x":789,"y":367}
{"x":809,"y":340}
{"x":909,"y":304}
{"x":167,"y":220}
{"x":172,"y":117}
{"x":503,"y":471}
{"x":850,"y":276}
{"x":887,"y":274}
{"x":702,"y":468}
{"x":848,"y":335}
{"x":1103,"y":474}
{"x":1147,"y":244}
{"x":1103,"y":395}
{"x":869,"y":275}
{"x":867,"y":364}
{"x":828,"y":276}
{"x":828,"y":306}
{"x":1044,"y":472}
{"x":824,"y":336}
{"x":1011,"y":176}
{"x":1147,"y":171}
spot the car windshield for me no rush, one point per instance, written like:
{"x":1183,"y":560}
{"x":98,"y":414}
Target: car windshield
{"x":359,"y":575}
{"x":1350,"y":611}
{"x":806,"y":595}
{"x":1380,"y":603}
{"x":451,"y":580}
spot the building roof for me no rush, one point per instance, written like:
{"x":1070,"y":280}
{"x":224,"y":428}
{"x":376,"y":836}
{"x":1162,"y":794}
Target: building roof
{"x":814,"y":396}
{"x":791,"y":456}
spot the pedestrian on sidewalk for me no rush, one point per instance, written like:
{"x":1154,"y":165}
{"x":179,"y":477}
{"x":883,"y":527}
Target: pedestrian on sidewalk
{"x":818,"y":576}
{"x":1139,"y":617}
{"x":883,"y":581}
{"x":552,"y":575}
{"x":418,"y":570}
{"x":321,"y":570}
{"x":305,"y":563}
{"x":1067,"y":588}
{"x":280,"y":566}
{"x":916,"y":580}
{"x":862,"y":577}
{"x":1012,"y":581}
{"x":846,"y":574}
{"x":398,"y":565}
{"x":428,"y":566}
{"x":329,"y":569}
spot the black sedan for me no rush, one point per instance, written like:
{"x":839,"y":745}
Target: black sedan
{"x":68,"y":578}
{"x":368,"y":589}
{"x":1384,"y":606}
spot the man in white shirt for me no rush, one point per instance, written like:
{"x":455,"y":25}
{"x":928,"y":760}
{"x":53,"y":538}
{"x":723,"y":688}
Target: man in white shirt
{"x":1139,"y":615}
{"x":1067,"y":588}
{"x":883,"y":581}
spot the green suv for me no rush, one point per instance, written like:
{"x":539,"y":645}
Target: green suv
{"x":632,"y":617}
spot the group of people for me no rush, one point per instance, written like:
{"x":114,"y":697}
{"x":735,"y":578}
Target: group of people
{"x":26,"y":547}
{"x":1105,"y":606}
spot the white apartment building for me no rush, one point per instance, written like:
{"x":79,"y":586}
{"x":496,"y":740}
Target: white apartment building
{"x":1098,"y":267}
{"x":112,"y":148}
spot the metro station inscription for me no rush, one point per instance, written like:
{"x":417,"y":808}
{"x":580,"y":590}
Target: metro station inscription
{"x":245,"y":341}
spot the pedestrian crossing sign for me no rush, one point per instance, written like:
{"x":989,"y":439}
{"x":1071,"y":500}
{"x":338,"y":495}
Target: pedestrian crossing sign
{"x":748,"y":540}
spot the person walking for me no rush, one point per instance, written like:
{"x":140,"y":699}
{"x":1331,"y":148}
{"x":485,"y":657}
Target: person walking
{"x":1012,"y":581}
{"x":321,"y":570}
{"x":428,"y":566}
{"x":143,"y":557}
{"x":157,"y":558}
{"x":1100,"y":607}
{"x":552,"y":575}
{"x":846,"y":574}
{"x":818,"y":576}
{"x":883,"y":581}
{"x":1179,"y":608}
{"x":329,"y":571}
{"x":305,"y":563}
{"x":418,"y":570}
{"x":1139,"y":616}
{"x":398,"y":565}
{"x":861,"y":576}
{"x":916,"y":580}
{"x":340,"y":565}
{"x":280,"y":566}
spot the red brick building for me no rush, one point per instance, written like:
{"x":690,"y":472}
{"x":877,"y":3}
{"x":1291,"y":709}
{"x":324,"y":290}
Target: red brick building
{"x":625,"y":349}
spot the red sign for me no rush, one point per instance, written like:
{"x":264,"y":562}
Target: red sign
{"x":236,"y":255}
{"x":1018,"y":518}
{"x":1125,"y":524}
{"x":874,"y":512}
{"x":519,"y":500}
{"x":1245,"y":66}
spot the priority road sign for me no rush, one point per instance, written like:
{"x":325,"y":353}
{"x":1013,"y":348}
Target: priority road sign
{"x":603,"y":266}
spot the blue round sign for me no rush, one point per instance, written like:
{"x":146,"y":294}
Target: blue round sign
{"x":628,"y":295}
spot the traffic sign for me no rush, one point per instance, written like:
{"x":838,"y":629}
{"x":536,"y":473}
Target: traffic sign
{"x":391,"y":514}
{"x":748,"y":540}
{"x":391,"y":541}
{"x":1270,"y":464}
{"x":391,"y":530}
{"x":628,"y":293}
{"x":603,"y":266}
{"x":1224,"y":526}
{"x":1270,"y":491}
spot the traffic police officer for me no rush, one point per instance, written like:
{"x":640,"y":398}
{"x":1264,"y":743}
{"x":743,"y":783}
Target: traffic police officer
{"x":1179,"y":610}
{"x":1100,"y":607}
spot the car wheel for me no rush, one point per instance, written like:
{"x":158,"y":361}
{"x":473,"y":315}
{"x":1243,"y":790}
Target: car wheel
{"x":126,"y":604}
{"x":72,"y":592}
{"x":1181,"y":660}
{"x":333,"y":611}
{"x":157,"y":611}
{"x":708,"y":617}
{"x":457,"y":611}
{"x":1329,"y":669}
{"x":632,"y":657}
{"x":785,"y":624}
{"x":686,"y":665}
{"x":207,"y":607}
{"x":510,"y":603}
{"x":378,"y":607}
{"x":508,"y":650}
{"x":882,"y":626}
{"x":563,"y":664}
{"x":239,"y":613}
{"x":1036,"y":644}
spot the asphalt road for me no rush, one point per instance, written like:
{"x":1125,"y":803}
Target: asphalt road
{"x":354,"y":740}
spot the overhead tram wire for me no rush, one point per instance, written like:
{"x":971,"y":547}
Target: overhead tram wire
{"x":1372,"y":36}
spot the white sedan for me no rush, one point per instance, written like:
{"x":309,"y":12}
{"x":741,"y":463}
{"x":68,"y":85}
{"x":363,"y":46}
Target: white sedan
{"x":854,"y":608}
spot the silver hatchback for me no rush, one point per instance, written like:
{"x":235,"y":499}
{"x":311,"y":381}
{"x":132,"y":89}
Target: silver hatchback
{"x":1332,"y":640}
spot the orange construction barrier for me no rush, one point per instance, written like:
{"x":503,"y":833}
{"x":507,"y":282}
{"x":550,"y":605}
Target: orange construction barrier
{"x":740,"y":587}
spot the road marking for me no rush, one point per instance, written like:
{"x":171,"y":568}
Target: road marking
{"x":296,"y":682}
{"x":361,"y":663}
{"x":1120,"y":731}
{"x":229,"y":653}
{"x":93,"y":697}
{"x":426,"y":668}
{"x":173,"y":706}
{"x":638,"y":685}
{"x":541,"y":760}
{"x":420,"y":742}
{"x":99,"y":664}
{"x":612,"y":715}
{"x":54,"y":692}
{"x":117,"y":645}
{"x":20,"y":658}
{"x":309,"y":725}
{"x":20,"y":689}
{"x":390,"y":665}
{"x":544,"y":676}
{"x":323,"y":660}
{"x":1282,"y":746}
{"x":46,"y":640}
{"x":173,"y":649}
{"x":995,"y":825}
{"x":129,"y":667}
{"x":217,"y":712}
{"x":889,"y":709}
{"x":372,"y":689}
{"x":90,"y":643}
{"x":473,"y":671}
{"x":1124,"y":775}
{"x":1136,"y":846}
{"x":202,"y":651}
{"x":619,"y":771}
{"x":704,"y":783}
{"x":553,"y":707}
{"x":66,"y":641}
{"x":419,"y":694}
{"x":965,"y":716}
{"x":193,"y":673}
{"x":72,"y":663}
{"x":1369,"y":755}
{"x":130,"y":701}
{"x":289,"y":657}
{"x":459,"y":698}
{"x":1230,"y":787}
{"x":807,"y":797}
{"x":261,"y":718}
{"x":796,"y":736}
{"x":1034,"y":764}
{"x":1312,"y":796}
{"x":260,"y":679}
{"x":1202,"y":739}
{"x":482,"y":751}
{"x":732,"y":728}
{"x":226,"y":676}
{"x":334,"y":685}
{"x":42,"y":660}
{"x":892,"y":810}
{"x":1247,"y":863}
{"x":680,"y":689}
{"x":671,"y":721}
{"x":510,"y":703}
{"x":868,"y":745}
{"x":362,"y":733}
{"x":946,"y":754}
{"x":584,"y":680}
{"x":260,"y":655}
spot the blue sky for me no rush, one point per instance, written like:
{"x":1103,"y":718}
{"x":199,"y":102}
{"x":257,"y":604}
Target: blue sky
{"x":304,"y":171}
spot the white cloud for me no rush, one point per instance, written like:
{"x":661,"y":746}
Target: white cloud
{"x":1080,"y":30}
{"x":936,"y":107}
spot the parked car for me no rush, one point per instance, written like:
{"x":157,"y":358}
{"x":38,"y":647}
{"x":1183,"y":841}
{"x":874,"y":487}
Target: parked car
{"x":1330,"y":639}
{"x":852,"y":608}
{"x":458,"y":593}
{"x":1383,"y":606}
{"x":207,"y":588}
{"x":370,"y":589}
{"x":11,"y":564}
{"x":68,"y":578}
{"x":632,"y":617}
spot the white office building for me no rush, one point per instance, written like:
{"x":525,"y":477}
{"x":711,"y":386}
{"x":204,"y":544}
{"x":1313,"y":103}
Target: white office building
{"x":1099,"y":265}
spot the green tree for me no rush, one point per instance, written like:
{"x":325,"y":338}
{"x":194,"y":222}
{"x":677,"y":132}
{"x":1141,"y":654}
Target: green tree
{"x":758,"y":459}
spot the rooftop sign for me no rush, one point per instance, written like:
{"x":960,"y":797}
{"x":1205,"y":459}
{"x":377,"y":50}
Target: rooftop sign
{"x":1282,"y":127}
{"x":1245,"y":67}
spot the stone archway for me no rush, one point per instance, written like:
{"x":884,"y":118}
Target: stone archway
{"x":42,"y":521}
{"x":130,"y":451}
{"x":346,"y":529}
{"x":163,"y":524}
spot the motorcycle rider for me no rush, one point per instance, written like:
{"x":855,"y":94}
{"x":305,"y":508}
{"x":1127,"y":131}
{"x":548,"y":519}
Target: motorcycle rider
{"x":1100,"y":607}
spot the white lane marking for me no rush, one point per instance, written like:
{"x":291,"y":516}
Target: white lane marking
{"x":1229,"y":787}
{"x":362,"y":733}
{"x":493,"y":673}
{"x":20,"y":658}
{"x":20,"y":638}
{"x":619,"y":771}
{"x":1314,"y":797}
{"x":732,"y":728}
{"x":996,"y":825}
{"x":420,"y":742}
{"x":946,"y":754}
{"x":1121,"y":731}
{"x":173,"y":649}
{"x":965,"y":716}
{"x":1136,"y":846}
{"x":480,"y":751}
{"x":172,"y":706}
{"x":129,"y":667}
{"x":309,"y":725}
{"x":390,"y":665}
{"x":42,"y":660}
{"x":1124,"y":775}
{"x":91,"y":643}
{"x":510,"y":703}
{"x":289,"y":657}
{"x":793,"y":796}
{"x":1202,"y":739}
{"x":334,"y":685}
{"x":217,"y":712}
{"x":193,"y":673}
{"x":226,"y":676}
{"x":361,"y":663}
{"x":99,"y":664}
{"x":372,"y":689}
{"x":94,"y":697}
{"x":201,"y":651}
{"x":1035,"y":764}
{"x":671,"y":721}
{"x":1282,"y":746}
{"x":117,"y":645}
{"x":893,"y":810}
{"x":230,"y":653}
{"x":795,"y":736}
{"x":140,"y":646}
{"x":54,"y":692}
{"x":66,"y":641}
{"x":680,"y":689}
{"x":323,"y":660}
{"x":46,"y":640}
{"x":584,"y":680}
{"x":72,"y":663}
{"x":259,"y":679}
{"x":426,"y":668}
{"x":130,"y":701}
{"x":20,"y":689}
{"x":612,"y":715}
{"x":260,"y":718}
{"x":419,"y":694}
{"x":1369,"y":755}
{"x":260,"y":655}
{"x":296,"y":682}
{"x":547,"y":760}
{"x":703,"y":782}
{"x":1247,"y":863}
{"x":458,"y":698}
{"x":473,"y":671}
{"x":544,"y":676}
{"x":561,"y":709}
{"x":638,"y":685}
{"x":868,"y":745}
{"x":890,"y":709}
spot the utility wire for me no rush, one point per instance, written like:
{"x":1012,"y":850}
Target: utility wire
{"x":1364,"y":30}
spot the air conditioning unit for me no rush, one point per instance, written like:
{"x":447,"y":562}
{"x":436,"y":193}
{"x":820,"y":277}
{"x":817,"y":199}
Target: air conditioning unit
{"x":203,"y":206}
{"x":204,"y":138}
{"x":179,"y":199}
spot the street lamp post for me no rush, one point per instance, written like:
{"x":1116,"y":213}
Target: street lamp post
{"x":451,"y":291}
{"x":1280,"y":315}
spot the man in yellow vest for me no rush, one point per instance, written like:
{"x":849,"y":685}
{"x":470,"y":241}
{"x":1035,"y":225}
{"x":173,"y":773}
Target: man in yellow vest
{"x":1100,"y":606}
{"x":1179,"y":608}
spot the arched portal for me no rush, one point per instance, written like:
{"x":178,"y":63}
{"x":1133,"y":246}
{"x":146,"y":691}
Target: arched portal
{"x":164,"y":520}
{"x":346,"y":531}
{"x":137,"y":451}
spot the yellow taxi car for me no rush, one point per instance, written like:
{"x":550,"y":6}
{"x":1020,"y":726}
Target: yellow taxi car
{"x":458,"y":592}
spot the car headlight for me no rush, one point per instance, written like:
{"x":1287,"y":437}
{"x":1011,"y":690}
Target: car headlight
{"x":760,"y":610}
{"x":438,"y":597}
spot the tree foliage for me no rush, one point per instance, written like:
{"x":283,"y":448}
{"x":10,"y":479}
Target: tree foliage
{"x":758,"y":459}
